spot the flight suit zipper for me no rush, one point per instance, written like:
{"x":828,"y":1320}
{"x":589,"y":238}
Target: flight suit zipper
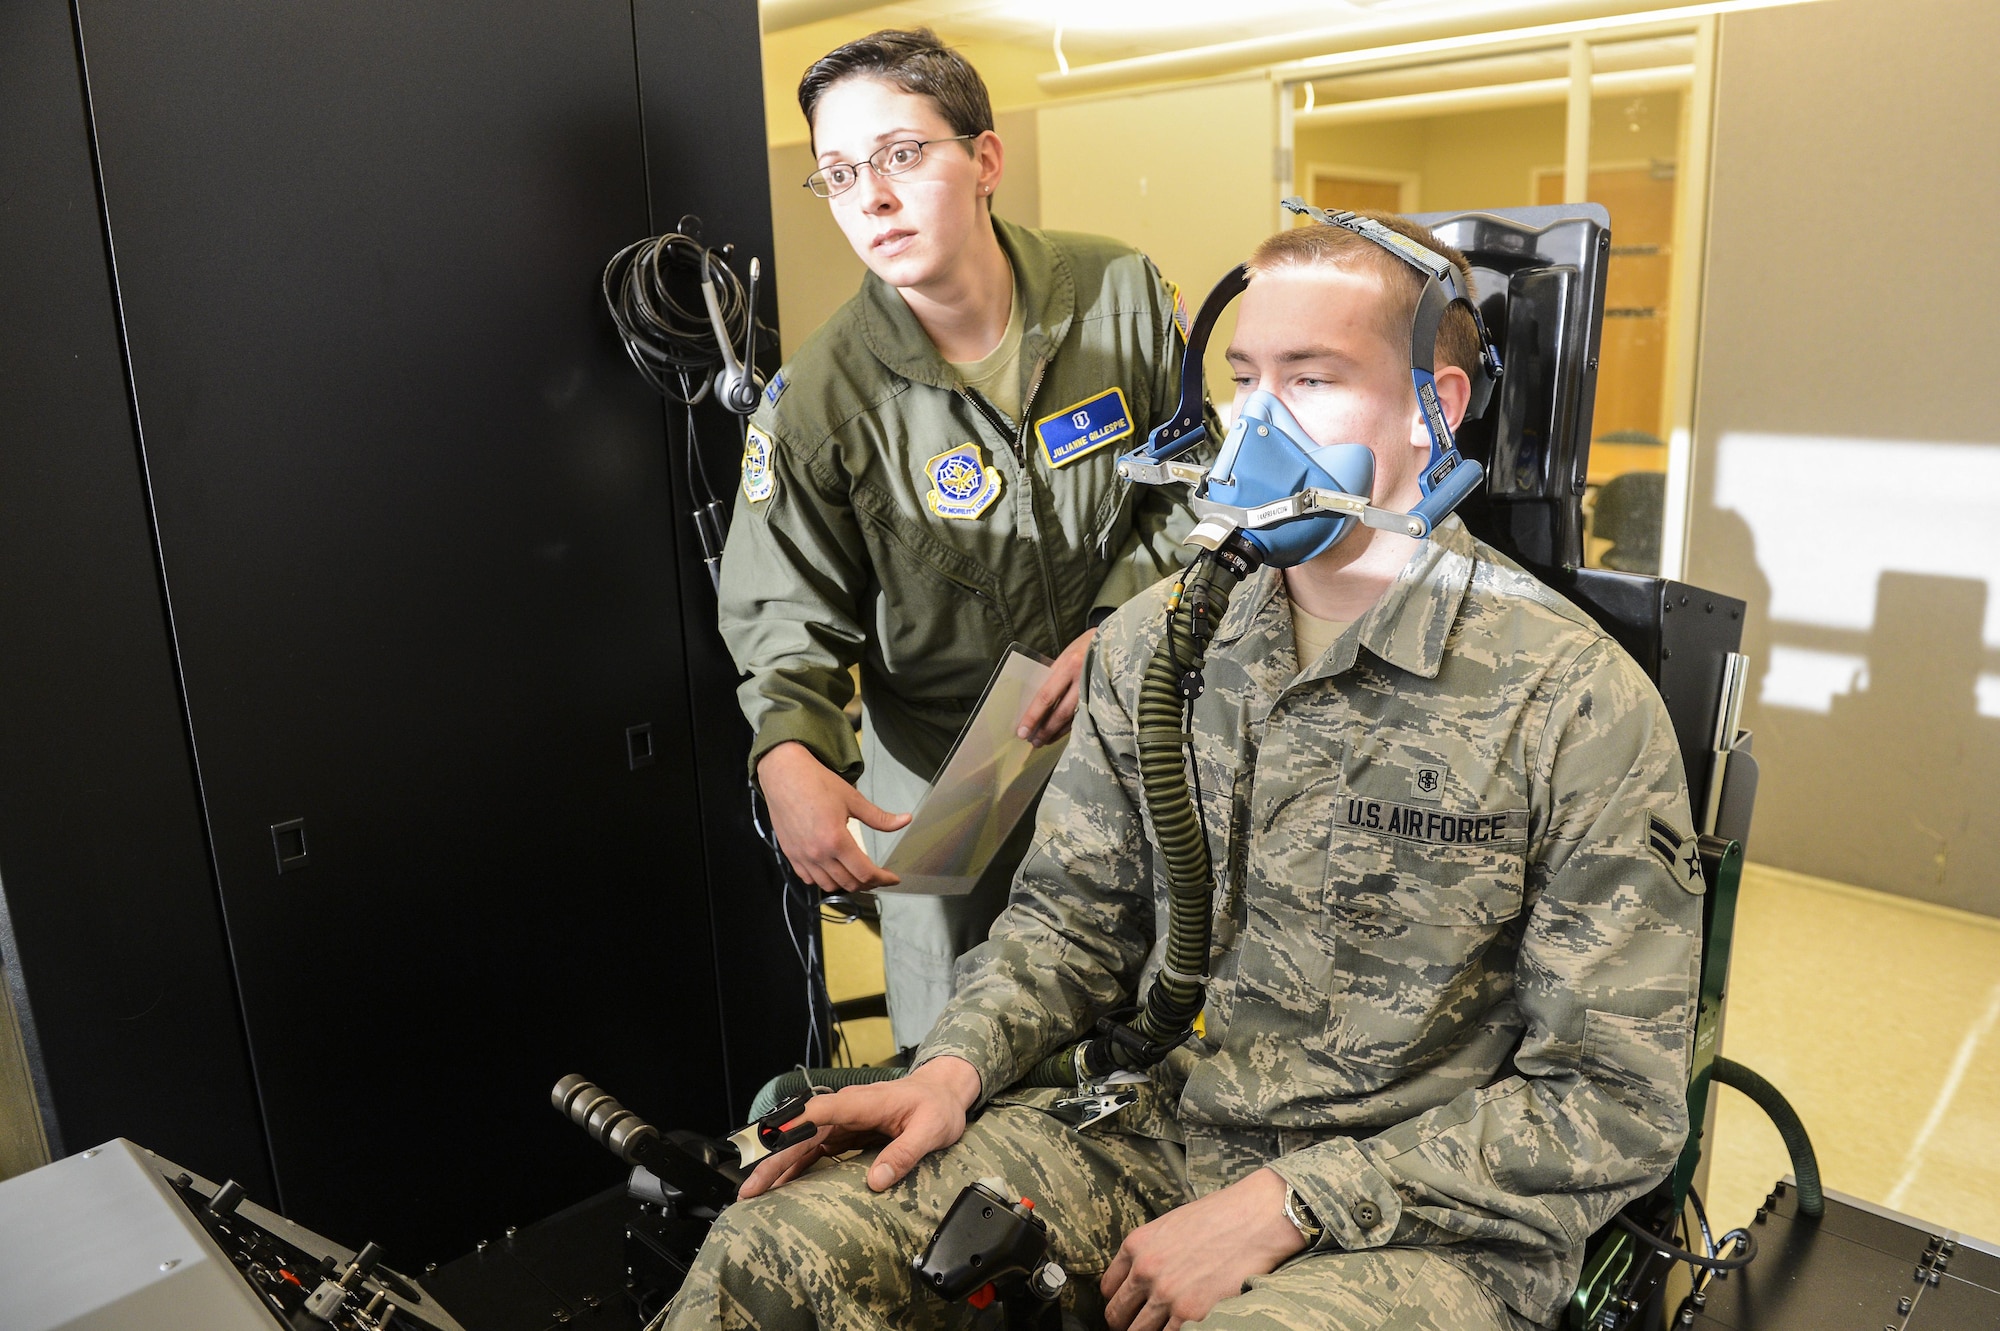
{"x":1018,"y":442}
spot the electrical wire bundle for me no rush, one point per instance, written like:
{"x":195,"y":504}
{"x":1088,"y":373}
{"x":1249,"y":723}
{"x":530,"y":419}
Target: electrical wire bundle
{"x":805,"y":909}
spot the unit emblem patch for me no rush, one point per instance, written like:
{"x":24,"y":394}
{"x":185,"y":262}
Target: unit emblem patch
{"x":962,"y":485}
{"x":1084,"y":427}
{"x":1678,"y":854}
{"x":758,"y":482}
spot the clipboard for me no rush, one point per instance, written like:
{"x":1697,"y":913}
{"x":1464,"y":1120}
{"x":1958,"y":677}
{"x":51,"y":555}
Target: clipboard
{"x":986,"y":785}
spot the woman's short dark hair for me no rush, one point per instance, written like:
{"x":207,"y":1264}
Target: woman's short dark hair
{"x":915,"y":61}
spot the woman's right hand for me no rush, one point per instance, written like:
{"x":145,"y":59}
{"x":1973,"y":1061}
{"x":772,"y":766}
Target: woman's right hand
{"x":810,"y":805}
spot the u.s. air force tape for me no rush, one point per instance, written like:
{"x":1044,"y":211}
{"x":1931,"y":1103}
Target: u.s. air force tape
{"x":1431,"y":827}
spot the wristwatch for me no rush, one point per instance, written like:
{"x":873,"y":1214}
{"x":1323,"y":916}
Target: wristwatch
{"x":1302,"y":1218}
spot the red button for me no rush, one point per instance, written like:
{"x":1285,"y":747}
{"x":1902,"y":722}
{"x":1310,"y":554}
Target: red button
{"x":980,"y":1297}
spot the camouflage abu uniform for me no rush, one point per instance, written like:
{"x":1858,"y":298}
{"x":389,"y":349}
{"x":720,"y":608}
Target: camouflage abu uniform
{"x":1453,"y":976}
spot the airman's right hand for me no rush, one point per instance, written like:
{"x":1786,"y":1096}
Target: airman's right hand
{"x":810,"y":805}
{"x":914,"y":1115}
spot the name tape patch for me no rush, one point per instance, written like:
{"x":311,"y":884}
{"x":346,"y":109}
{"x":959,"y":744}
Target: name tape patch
{"x":1431,"y":827}
{"x":1084,"y":427}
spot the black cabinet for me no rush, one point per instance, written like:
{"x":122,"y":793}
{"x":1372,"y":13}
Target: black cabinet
{"x":420,"y":563}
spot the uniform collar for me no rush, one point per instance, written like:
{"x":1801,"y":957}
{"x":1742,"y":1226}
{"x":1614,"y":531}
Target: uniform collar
{"x":1407,"y":627}
{"x":1042,"y":281}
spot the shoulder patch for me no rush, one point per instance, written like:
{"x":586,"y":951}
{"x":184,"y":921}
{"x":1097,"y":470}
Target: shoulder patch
{"x":775,"y":389}
{"x":1679,"y":855}
{"x":1084,"y":427}
{"x":962,"y":485}
{"x":1181,"y":320}
{"x":758,"y":482}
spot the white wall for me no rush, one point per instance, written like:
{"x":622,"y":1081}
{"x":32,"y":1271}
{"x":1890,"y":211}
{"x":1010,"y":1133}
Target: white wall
{"x":1847,"y":465}
{"x":1183,"y":174}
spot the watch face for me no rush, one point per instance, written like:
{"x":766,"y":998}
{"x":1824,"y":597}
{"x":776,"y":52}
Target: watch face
{"x":1302,"y":1217}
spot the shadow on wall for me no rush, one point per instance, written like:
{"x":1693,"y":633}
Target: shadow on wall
{"x":1875,"y":642}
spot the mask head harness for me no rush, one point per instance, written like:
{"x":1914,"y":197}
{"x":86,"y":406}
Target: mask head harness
{"x":1282,"y":496}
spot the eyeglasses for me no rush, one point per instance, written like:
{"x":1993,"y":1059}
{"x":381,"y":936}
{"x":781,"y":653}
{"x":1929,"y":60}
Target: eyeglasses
{"x":891,"y":159}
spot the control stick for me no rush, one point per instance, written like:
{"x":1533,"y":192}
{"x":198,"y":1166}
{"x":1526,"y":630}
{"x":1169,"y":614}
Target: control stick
{"x":666,"y":1156}
{"x":989,"y":1247}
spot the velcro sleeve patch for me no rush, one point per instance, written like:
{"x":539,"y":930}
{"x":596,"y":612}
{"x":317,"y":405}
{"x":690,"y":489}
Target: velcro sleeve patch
{"x":758,"y":481}
{"x":1431,"y":827}
{"x":1679,"y":855}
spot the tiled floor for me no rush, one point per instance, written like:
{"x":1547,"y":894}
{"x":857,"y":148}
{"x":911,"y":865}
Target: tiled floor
{"x":1878,"y":1017}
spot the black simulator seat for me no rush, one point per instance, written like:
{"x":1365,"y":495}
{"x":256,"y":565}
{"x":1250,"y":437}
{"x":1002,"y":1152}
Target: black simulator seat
{"x":1539,"y":274}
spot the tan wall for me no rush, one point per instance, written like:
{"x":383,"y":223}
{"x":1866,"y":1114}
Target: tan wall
{"x":1487,"y":159}
{"x":1847,"y":460}
{"x":1008,"y":68}
{"x":1182,"y":174}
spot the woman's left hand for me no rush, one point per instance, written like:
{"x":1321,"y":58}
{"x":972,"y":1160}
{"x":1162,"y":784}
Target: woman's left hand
{"x":1054,"y":705}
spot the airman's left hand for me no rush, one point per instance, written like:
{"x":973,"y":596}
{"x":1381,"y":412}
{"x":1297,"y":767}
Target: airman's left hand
{"x":1177,"y":1268}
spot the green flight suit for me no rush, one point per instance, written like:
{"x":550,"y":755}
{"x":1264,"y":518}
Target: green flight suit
{"x":891,"y":518}
{"x":1457,"y":924}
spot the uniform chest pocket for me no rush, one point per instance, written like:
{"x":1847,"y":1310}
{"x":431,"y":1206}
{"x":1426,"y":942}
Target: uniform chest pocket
{"x":1422,"y":902}
{"x":1428,"y":865}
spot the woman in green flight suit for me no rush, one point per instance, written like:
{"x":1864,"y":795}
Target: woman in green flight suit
{"x":930,"y":478}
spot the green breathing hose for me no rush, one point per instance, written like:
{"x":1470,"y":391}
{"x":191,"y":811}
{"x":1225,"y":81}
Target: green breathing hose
{"x":798,"y":1081}
{"x":1166,"y":691}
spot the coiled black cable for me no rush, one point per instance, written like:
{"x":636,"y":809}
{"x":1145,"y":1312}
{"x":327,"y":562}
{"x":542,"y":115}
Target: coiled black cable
{"x":653,"y":290}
